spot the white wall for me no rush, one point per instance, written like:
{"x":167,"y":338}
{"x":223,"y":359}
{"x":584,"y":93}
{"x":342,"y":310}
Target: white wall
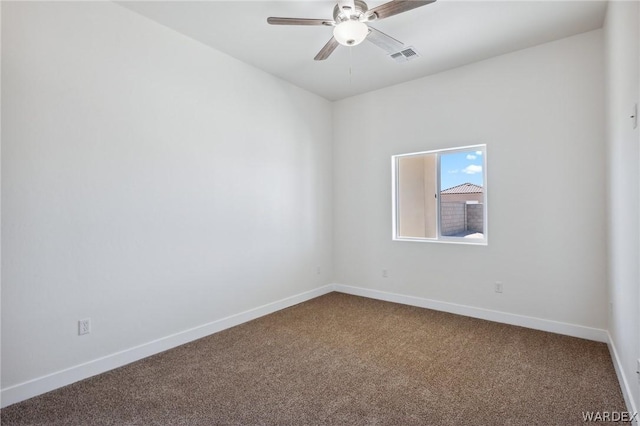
{"x":540,"y":112}
{"x":0,"y":198}
{"x":149,"y":183}
{"x":623,"y":86}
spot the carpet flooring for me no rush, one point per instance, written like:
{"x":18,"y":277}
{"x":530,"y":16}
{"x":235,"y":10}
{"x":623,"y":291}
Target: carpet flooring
{"x":347,"y":360}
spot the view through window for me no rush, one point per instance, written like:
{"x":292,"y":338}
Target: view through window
{"x":441,"y":195}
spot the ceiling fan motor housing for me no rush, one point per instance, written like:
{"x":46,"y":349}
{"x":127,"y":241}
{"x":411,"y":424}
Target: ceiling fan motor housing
{"x":340,"y":15}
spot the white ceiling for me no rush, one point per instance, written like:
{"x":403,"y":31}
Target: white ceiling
{"x":446,"y":34}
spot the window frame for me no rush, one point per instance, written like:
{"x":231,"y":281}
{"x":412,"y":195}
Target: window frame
{"x":439,"y":237}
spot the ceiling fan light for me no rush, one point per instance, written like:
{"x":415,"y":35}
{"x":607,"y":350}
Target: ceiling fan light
{"x":350,"y":33}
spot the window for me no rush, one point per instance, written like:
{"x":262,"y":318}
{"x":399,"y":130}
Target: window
{"x":441,"y":195}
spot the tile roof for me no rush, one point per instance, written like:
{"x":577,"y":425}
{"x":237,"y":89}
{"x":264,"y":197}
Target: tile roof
{"x":465,"y":188}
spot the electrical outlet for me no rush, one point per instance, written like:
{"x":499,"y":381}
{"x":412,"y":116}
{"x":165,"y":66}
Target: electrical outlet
{"x":498,"y":287}
{"x":384,"y":273}
{"x":84,"y":326}
{"x":318,"y":270}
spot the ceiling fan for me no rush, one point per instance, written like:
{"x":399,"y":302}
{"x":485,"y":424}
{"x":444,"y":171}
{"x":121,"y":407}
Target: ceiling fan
{"x":350,"y":19}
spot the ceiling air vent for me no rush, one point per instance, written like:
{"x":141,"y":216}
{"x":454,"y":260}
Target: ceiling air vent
{"x":404,"y":55}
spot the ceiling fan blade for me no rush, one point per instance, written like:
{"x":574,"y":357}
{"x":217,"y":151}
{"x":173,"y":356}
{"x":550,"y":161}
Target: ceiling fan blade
{"x":384,"y":41}
{"x":299,"y":21}
{"x":327,"y":50}
{"x":347,"y":6}
{"x":395,"y":7}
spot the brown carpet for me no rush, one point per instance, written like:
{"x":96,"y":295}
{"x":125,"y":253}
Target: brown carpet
{"x":341,"y":359}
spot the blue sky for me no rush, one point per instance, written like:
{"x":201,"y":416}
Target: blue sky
{"x":461,"y":167}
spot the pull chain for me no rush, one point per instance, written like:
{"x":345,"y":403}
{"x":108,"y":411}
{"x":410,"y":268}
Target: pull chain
{"x":350,"y":65}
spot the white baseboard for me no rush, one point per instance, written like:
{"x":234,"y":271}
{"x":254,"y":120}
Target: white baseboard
{"x":503,"y":317}
{"x":40,"y":385}
{"x":624,"y":384}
